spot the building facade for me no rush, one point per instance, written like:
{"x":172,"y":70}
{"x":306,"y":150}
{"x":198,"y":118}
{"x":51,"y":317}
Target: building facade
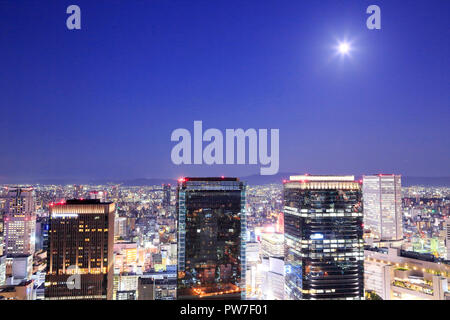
{"x":272,"y":245}
{"x":395,"y":274}
{"x":157,"y":286}
{"x":80,"y":253}
{"x":323,"y":224}
{"x":447,"y":236}
{"x":20,"y":222}
{"x":166,"y":196}
{"x":382,"y":196}
{"x":211,"y":238}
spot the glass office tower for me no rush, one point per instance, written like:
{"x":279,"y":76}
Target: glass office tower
{"x":80,"y":251}
{"x":323,"y":224}
{"x":383,"y":206}
{"x":211,"y":238}
{"x":20,"y":222}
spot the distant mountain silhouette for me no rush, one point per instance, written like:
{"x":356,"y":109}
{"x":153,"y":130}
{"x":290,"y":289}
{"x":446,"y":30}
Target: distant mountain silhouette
{"x":251,"y":180}
{"x":426,"y":181}
{"x":406,"y":181}
{"x":148,"y":182}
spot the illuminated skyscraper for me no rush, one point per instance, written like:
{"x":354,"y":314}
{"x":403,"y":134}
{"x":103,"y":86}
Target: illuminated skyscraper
{"x":323,"y":238}
{"x":280,"y":223}
{"x":382,"y":196}
{"x":20,"y":222}
{"x":166,"y":196}
{"x":100,"y":195}
{"x":447,"y":236}
{"x":120,"y":227}
{"x":2,"y":270}
{"x":80,"y":253}
{"x":78,"y":191}
{"x":211,"y":238}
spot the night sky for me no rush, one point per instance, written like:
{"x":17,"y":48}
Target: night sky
{"x":102,"y":102}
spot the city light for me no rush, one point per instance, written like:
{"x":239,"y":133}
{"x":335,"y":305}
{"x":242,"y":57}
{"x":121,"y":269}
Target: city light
{"x":155,"y":150}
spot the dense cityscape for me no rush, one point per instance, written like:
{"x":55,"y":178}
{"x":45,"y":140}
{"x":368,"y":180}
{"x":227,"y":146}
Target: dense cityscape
{"x":207,"y":159}
{"x":135,"y":242}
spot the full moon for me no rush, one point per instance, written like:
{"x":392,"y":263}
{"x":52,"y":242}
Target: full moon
{"x":344,"y":48}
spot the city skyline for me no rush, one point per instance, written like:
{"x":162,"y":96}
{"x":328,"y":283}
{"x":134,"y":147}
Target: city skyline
{"x":156,"y":232}
{"x":231,"y":65}
{"x":225,"y":155}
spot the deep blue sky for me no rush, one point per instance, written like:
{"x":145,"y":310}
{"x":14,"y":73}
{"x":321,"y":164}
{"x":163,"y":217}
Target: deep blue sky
{"x":102,"y":102}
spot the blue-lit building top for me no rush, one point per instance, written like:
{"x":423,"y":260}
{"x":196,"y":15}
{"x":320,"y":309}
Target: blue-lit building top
{"x":323,"y":238}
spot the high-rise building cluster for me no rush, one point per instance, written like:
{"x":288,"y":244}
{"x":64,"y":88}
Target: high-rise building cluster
{"x":309,"y":237}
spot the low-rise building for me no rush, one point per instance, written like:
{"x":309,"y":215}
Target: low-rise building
{"x":395,"y":274}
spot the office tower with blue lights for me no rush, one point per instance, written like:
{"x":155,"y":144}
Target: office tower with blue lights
{"x":80,"y":250}
{"x":383,"y":207}
{"x":42,"y":228}
{"x":323,"y":224}
{"x":211,"y":238}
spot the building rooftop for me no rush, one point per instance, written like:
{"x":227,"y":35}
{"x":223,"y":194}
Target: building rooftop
{"x":410,"y":254}
{"x":208,"y":179}
{"x":85,"y":201}
{"x":307,"y":177}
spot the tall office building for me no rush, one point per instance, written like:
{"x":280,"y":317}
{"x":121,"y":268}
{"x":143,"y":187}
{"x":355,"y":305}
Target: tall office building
{"x":98,"y":195}
{"x":20,"y":222}
{"x":120,"y":227}
{"x":2,"y":270}
{"x":115,"y":192}
{"x":272,"y":284}
{"x":447,"y":236}
{"x":323,"y":224}
{"x":125,"y":286}
{"x":78,"y":191}
{"x":2,"y":225}
{"x":42,"y":227}
{"x":382,"y":197}
{"x":279,"y":227}
{"x":211,"y":238}
{"x":166,"y":196}
{"x":80,"y":252}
